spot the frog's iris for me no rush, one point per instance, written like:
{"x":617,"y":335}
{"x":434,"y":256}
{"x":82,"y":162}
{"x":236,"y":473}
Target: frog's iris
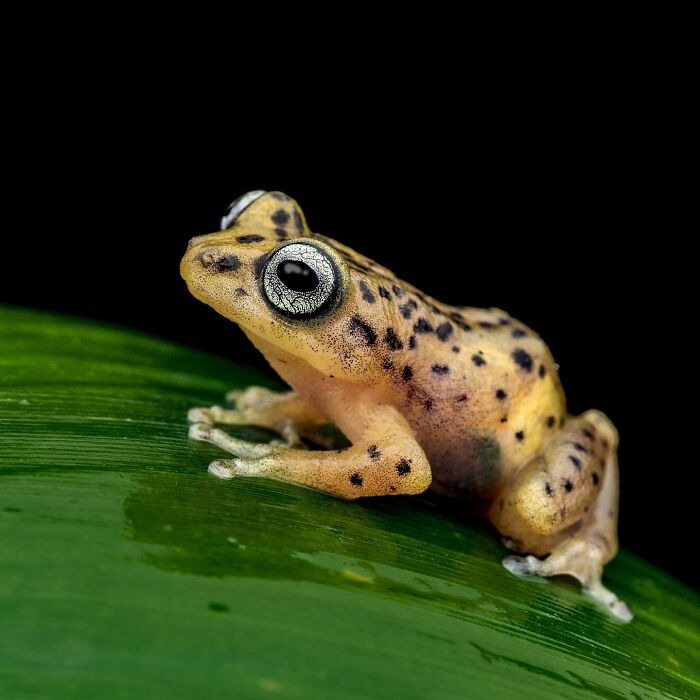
{"x":300,"y":280}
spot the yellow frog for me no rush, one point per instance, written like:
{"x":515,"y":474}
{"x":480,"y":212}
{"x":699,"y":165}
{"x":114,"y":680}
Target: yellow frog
{"x":465,"y":400}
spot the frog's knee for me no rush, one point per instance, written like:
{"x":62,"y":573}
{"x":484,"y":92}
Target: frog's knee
{"x":602,"y":431}
{"x":539,"y":507}
{"x":404,"y":467}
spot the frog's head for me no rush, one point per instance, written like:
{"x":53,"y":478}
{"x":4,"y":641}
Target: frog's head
{"x":291,"y":289}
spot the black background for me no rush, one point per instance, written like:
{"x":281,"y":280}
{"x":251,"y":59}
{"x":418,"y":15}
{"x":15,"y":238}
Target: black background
{"x":549,"y":208}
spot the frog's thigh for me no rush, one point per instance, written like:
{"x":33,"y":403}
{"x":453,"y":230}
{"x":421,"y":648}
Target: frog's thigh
{"x":564,"y":503}
{"x":390,"y":461}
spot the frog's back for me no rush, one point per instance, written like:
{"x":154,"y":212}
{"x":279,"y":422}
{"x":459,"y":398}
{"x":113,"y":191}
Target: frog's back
{"x":479,"y":388}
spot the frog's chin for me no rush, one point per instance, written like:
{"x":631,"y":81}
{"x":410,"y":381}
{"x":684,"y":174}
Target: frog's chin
{"x":284,"y":361}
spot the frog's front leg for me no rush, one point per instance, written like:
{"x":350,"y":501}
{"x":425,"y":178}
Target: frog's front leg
{"x":564,"y":504}
{"x":383,"y":459}
{"x":285,"y":412}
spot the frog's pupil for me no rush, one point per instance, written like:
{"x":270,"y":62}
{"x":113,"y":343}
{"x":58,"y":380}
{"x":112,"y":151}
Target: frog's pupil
{"x":297,"y":276}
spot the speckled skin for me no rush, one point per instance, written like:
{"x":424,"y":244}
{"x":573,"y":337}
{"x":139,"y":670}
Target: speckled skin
{"x":467,"y":398}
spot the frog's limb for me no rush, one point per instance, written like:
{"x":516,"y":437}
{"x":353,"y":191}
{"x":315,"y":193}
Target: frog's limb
{"x":258,"y":397}
{"x":564,"y":503}
{"x":384,"y":459}
{"x":285,"y":412}
{"x":207,"y":433}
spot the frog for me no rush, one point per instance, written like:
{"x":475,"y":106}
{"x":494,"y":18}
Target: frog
{"x":466,"y":402}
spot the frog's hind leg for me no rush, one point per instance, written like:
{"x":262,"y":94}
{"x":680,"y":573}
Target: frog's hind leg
{"x":285,"y":412}
{"x":564,"y":504}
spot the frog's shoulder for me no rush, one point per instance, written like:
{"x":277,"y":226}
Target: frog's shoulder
{"x":357,"y":262}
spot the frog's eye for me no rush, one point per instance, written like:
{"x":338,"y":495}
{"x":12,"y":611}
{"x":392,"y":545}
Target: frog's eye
{"x":300,"y":280}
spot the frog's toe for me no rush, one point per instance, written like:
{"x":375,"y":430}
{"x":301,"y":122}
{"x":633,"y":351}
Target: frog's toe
{"x":234,"y":396}
{"x":254,"y":398}
{"x":240,"y":466}
{"x":523,"y":566}
{"x":200,"y":430}
{"x":216,"y":414}
{"x":290,"y":435}
{"x":245,"y":466}
{"x":606,"y":597}
{"x":241,"y":448}
{"x":222,"y":468}
{"x":200,"y":415}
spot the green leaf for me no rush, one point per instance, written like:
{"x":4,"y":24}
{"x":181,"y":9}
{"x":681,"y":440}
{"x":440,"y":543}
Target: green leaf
{"x":127,"y":571}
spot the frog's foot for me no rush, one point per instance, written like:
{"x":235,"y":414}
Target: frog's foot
{"x":241,"y":448}
{"x":582,"y":557}
{"x":224,"y":416}
{"x":223,"y":468}
{"x":240,"y":466}
{"x":257,"y":397}
{"x":284,"y":412}
{"x":214,"y":414}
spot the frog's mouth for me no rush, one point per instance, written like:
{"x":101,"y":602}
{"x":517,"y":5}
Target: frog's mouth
{"x":220,"y":274}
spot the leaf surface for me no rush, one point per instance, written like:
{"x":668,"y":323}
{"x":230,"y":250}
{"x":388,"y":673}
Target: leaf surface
{"x":127,"y":571}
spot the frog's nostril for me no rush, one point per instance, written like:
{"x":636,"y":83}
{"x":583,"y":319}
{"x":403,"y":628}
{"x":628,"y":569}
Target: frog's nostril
{"x":214,"y":259}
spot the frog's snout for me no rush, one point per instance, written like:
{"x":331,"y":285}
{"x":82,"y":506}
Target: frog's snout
{"x":192,"y":260}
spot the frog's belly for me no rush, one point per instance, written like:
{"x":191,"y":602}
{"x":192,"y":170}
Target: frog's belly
{"x":467,"y":458}
{"x":465,"y":467}
{"x":468,"y":444}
